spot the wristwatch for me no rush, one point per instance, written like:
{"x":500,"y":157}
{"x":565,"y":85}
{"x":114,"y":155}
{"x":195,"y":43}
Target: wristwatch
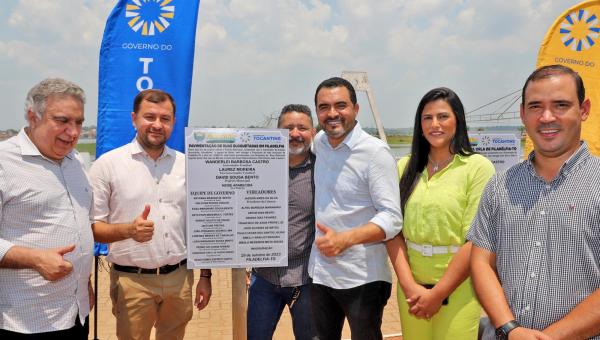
{"x":502,"y":331}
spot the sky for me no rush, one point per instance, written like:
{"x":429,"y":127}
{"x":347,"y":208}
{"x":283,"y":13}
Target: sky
{"x":253,"y":57}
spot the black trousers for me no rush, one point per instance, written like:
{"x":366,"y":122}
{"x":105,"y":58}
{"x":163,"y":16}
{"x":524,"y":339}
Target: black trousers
{"x":77,"y":332}
{"x":362,"y":305}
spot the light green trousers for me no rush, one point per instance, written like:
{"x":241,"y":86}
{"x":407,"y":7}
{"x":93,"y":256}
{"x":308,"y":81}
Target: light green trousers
{"x":459,"y":320}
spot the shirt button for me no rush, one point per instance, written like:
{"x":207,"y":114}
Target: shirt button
{"x":168,"y":252}
{"x":156,"y":181}
{"x":527,"y":307}
{"x":160,"y":200}
{"x":164,"y":217}
{"x":532,"y":274}
{"x":542,"y":212}
{"x":538,"y":243}
{"x":166,"y":235}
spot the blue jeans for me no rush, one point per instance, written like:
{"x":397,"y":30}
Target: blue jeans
{"x":265,"y":305}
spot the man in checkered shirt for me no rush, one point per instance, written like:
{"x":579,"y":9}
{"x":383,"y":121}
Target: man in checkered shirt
{"x":535,"y":261}
{"x":46,"y":241}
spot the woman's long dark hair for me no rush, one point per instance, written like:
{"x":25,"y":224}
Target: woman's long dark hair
{"x":419,"y":150}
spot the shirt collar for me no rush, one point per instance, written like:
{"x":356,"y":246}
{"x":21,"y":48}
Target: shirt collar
{"x":576,"y":159}
{"x":29,"y":149}
{"x":457,"y":158}
{"x":136,"y":149}
{"x":351,"y":140}
{"x":460,"y":158}
{"x":353,"y":136}
{"x":306,"y":162}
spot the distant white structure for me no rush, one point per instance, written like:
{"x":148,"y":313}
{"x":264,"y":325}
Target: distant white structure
{"x":360,"y":81}
{"x":504,"y":110}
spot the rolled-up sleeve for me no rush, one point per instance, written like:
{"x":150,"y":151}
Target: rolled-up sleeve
{"x":101,"y":189}
{"x":385,"y":193}
{"x":4,"y":248}
{"x":478,"y":177}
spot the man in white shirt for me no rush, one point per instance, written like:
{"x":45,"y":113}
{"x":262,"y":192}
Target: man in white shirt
{"x":357,"y":207}
{"x":46,"y":243}
{"x":140,"y":208}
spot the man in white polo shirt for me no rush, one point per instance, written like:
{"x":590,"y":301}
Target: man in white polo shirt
{"x":140,"y":206}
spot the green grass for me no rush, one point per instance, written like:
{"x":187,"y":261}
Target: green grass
{"x":399,"y":139}
{"x":90,"y":148}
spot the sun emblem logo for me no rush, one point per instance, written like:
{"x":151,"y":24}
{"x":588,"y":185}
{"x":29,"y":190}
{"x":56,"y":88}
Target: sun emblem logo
{"x":149,"y":15}
{"x":245,"y":137}
{"x":579,"y":30}
{"x":486,"y":141}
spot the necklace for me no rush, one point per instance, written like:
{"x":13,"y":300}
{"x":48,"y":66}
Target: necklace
{"x":435,"y":166}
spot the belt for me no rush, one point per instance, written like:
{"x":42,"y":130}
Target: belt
{"x":429,"y":250}
{"x":166,"y":269}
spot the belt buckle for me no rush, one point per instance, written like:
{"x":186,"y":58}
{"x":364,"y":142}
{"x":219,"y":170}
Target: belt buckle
{"x":427,"y":250}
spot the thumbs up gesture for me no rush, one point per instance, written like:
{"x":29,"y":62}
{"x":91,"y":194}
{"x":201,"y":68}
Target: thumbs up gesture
{"x":331,"y":243}
{"x":51,"y":264}
{"x":142,"y":229}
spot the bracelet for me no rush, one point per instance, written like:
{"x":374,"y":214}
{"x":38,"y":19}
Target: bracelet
{"x":206,"y":275}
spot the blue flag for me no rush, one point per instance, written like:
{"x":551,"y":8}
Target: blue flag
{"x":146,"y":44}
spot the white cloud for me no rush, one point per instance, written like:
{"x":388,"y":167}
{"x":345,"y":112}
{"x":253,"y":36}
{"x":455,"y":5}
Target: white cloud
{"x":271,"y":36}
{"x":466,"y":17}
{"x":50,"y":38}
{"x":212,"y":35}
{"x":359,"y":9}
{"x":55,"y":34}
{"x":253,"y":56}
{"x":70,"y":21}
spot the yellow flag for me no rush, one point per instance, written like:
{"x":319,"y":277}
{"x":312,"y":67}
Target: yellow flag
{"x":573,"y":40}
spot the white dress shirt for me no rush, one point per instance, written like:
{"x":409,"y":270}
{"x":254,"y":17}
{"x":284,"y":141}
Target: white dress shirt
{"x":124,"y":180}
{"x":355,"y":183}
{"x":44,"y":205}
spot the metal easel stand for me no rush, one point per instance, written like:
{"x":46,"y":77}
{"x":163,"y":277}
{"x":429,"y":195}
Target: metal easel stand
{"x":96,"y":259}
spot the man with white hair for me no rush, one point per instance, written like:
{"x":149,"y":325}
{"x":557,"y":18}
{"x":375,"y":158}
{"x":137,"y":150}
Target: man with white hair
{"x":46,"y":242}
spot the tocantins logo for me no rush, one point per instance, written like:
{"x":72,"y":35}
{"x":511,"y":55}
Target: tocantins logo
{"x":245,"y":137}
{"x":486,"y":141}
{"x":579,"y":30}
{"x":149,"y":16}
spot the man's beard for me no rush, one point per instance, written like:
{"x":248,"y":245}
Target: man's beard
{"x":299,"y":150}
{"x":152,"y":144}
